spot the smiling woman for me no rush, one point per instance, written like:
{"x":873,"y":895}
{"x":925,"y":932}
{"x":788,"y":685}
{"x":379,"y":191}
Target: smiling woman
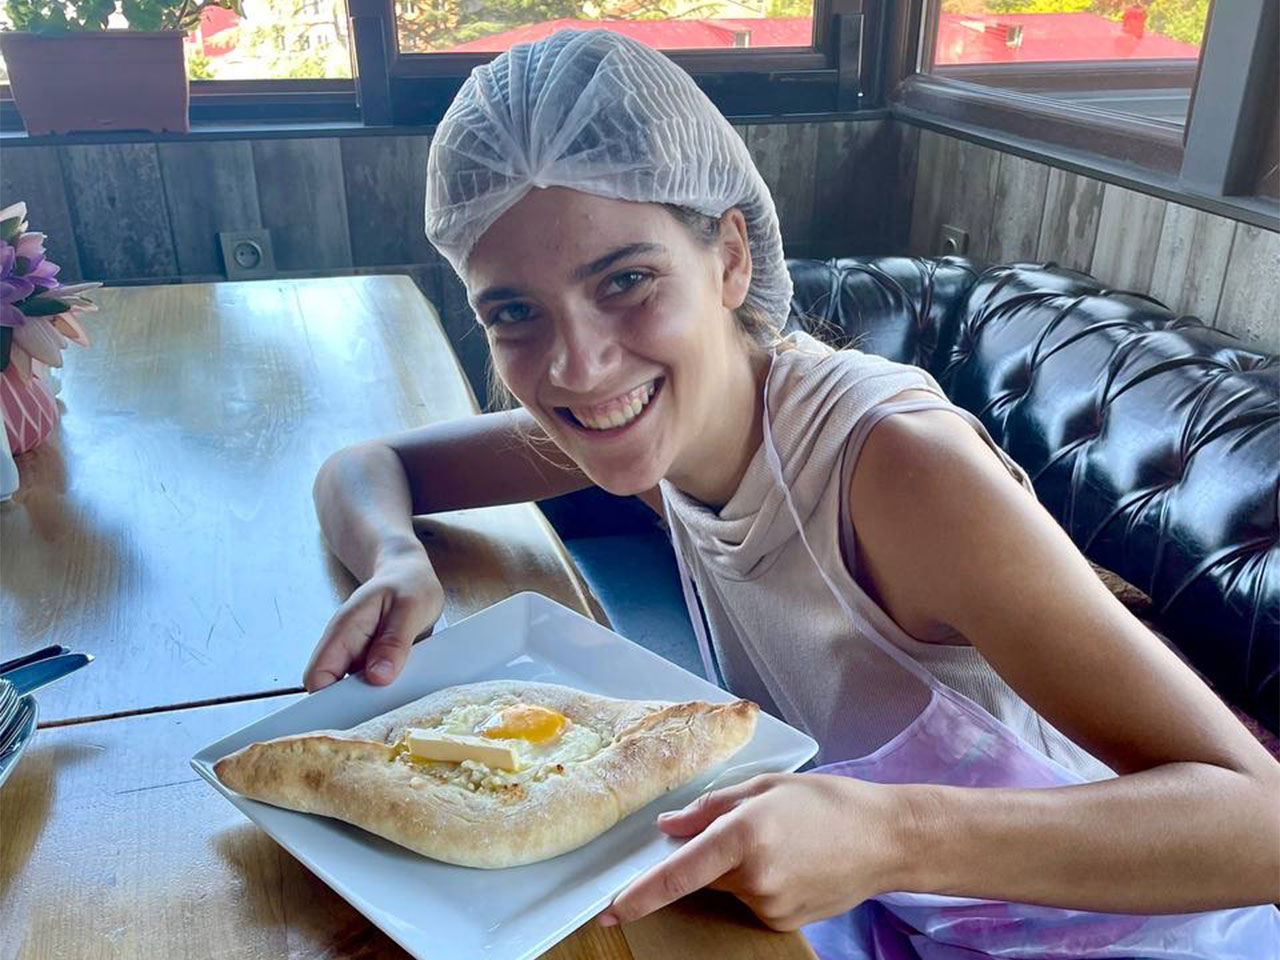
{"x":872,"y":568}
{"x":620,"y":356}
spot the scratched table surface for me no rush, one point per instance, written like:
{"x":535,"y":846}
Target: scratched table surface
{"x":167,"y":527}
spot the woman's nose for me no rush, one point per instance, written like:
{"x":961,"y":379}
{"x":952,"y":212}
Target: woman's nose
{"x":584,"y":354}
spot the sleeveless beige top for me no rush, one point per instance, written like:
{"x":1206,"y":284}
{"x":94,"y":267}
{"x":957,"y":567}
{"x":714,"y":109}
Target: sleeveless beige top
{"x":778,"y":634}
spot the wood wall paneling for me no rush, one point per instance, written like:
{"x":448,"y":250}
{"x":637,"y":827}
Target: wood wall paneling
{"x":115,"y":193}
{"x":385,"y":180}
{"x":210,"y":187}
{"x":1128,"y":237}
{"x":786,"y":156}
{"x":1021,"y":186}
{"x":1191,"y":261}
{"x":905,"y":141}
{"x":1250,"y":304}
{"x":955,"y":186}
{"x":840,"y":220}
{"x":862,"y":192}
{"x":303,"y":202}
{"x":34,"y":176}
{"x":1069,"y":229}
{"x":926,"y":202}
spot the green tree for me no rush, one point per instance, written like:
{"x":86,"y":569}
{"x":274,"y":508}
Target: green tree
{"x":199,"y":67}
{"x":789,"y":8}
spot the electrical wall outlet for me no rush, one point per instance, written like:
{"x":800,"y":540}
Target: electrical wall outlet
{"x":246,"y":254}
{"x":952,"y":241}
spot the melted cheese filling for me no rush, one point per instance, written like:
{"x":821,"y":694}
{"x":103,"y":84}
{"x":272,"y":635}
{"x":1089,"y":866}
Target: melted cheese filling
{"x":545,"y":743}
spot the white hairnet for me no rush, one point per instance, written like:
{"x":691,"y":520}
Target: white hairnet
{"x":604,"y":114}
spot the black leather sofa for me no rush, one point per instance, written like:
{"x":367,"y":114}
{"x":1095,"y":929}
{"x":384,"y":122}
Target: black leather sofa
{"x":1153,"y":439}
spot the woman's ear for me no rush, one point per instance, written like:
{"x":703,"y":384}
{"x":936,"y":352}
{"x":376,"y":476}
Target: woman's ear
{"x":735,"y":254}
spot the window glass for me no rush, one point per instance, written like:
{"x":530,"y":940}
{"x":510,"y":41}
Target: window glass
{"x":470,"y":26}
{"x":275,"y":40}
{"x":1118,"y":55}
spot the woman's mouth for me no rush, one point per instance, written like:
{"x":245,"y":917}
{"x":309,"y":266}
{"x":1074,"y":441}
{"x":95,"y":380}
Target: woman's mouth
{"x":616,"y":415}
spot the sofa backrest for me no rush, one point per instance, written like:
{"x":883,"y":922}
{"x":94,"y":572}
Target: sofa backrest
{"x":1152,"y":439}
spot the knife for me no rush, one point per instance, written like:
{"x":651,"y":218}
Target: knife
{"x":33,"y":676}
{"x":42,"y":654}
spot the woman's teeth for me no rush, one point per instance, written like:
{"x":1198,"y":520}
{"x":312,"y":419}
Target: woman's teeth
{"x":618,"y":412}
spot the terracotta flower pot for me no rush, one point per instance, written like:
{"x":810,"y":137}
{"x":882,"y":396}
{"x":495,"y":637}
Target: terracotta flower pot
{"x":30,"y":412}
{"x":107,"y":80}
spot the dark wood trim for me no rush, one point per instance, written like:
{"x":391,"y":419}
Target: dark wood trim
{"x":1079,"y":75}
{"x":1134,"y":140}
{"x":849,"y":40}
{"x":927,"y":41}
{"x":770,"y":59}
{"x":372,"y":55}
{"x":902,"y":48}
{"x":223,"y":88}
{"x":1233,"y":107}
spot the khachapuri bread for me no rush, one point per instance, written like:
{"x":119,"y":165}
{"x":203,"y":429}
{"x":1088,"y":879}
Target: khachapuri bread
{"x":494,"y":774}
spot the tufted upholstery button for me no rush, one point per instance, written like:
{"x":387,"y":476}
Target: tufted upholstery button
{"x":1151,"y":438}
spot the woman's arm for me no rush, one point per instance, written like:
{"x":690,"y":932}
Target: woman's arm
{"x":366,"y":497}
{"x":946,"y":534}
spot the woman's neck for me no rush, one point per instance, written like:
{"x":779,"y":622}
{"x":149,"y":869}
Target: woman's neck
{"x":726,"y":446}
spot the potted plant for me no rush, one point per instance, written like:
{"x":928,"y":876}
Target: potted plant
{"x":38,"y":318}
{"x":69,"y":72}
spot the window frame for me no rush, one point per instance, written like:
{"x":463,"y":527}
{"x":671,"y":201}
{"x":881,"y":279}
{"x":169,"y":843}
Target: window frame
{"x":837,"y":73}
{"x":840,"y":73}
{"x":1213,"y":155}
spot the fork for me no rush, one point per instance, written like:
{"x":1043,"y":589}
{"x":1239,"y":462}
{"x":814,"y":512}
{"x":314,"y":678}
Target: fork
{"x":9,"y":736}
{"x":10,"y":715}
{"x":8,"y":704}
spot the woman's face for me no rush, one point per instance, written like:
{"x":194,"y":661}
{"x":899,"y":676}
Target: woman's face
{"x":612,"y":324}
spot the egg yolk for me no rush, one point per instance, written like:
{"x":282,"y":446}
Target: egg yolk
{"x":525,"y":721}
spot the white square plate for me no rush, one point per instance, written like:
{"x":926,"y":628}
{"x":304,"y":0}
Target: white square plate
{"x":437,"y":911}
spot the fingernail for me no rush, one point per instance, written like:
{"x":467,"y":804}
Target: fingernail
{"x":607,"y":920}
{"x":668,"y":814}
{"x":380,"y":670}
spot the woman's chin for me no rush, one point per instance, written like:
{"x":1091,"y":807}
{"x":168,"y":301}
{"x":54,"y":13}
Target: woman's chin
{"x":621,"y":482}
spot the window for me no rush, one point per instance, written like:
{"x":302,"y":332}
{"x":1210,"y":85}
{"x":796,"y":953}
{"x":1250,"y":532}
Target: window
{"x":1177,"y":95}
{"x":491,"y":26}
{"x":273,"y":41}
{"x":1120,"y":56}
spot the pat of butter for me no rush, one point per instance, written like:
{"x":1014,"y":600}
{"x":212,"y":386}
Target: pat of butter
{"x":455,"y":748}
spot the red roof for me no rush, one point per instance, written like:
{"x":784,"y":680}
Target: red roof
{"x":213,"y":21}
{"x":663,"y":34}
{"x":1031,"y":37}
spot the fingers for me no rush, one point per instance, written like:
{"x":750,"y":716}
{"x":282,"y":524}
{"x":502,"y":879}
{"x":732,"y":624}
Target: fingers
{"x":698,"y":815}
{"x":389,"y":649}
{"x":702,"y":860}
{"x":343,"y":640}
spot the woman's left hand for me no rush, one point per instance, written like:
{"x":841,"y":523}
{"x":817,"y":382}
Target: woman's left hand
{"x":793,"y":847}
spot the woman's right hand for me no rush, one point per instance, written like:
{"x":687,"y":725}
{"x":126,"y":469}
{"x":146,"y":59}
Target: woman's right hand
{"x":378,"y":623}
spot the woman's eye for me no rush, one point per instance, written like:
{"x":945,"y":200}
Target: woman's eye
{"x":622,"y":282}
{"x":509,"y":314}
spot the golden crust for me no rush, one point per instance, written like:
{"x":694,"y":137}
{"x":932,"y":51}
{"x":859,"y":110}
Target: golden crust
{"x":650,"y":747}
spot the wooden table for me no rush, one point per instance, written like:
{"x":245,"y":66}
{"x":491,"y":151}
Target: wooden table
{"x":167,"y":527}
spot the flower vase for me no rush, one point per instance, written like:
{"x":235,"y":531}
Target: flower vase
{"x":30,"y":412}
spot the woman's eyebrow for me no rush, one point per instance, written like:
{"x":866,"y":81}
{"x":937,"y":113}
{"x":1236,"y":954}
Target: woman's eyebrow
{"x":581,"y":273}
{"x":613,"y":256}
{"x":498,"y":293}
